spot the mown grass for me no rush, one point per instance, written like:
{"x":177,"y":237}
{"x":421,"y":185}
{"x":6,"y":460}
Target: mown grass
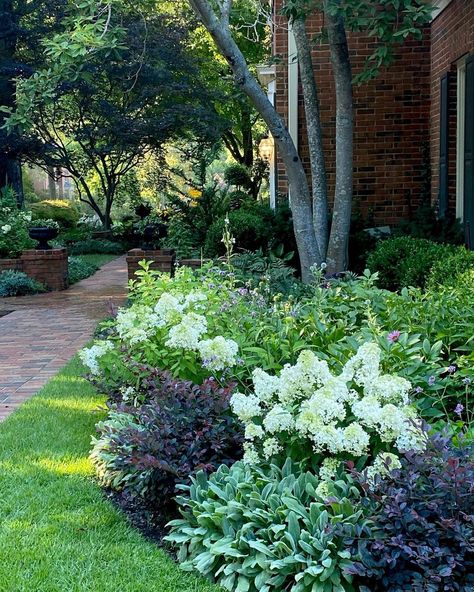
{"x":57,"y":531}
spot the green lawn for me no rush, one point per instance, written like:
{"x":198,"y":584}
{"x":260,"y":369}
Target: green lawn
{"x":98,"y":259}
{"x":57,"y":532}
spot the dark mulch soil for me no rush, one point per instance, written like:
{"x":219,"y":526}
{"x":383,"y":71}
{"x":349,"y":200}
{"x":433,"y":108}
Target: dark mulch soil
{"x":148,"y":521}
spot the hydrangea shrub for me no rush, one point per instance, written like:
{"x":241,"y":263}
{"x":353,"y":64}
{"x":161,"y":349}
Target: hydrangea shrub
{"x":308,"y":412}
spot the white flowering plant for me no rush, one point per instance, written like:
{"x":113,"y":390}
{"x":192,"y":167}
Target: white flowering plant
{"x":13,"y":226}
{"x":314,"y":416}
{"x":186,"y":324}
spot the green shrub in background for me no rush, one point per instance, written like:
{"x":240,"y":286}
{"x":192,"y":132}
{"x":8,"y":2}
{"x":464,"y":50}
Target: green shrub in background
{"x":93,"y":245}
{"x":17,"y":283}
{"x":60,"y":210}
{"x":79,"y":269}
{"x":405,"y":261}
{"x":182,"y":239}
{"x":426,"y":223}
{"x":453,"y":263}
{"x":266,"y":529}
{"x":13,"y":226}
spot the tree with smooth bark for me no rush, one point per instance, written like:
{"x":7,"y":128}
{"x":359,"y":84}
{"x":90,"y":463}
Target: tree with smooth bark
{"x":388,"y":22}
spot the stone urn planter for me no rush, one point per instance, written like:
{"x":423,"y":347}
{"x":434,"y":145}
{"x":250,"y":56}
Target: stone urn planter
{"x":43,"y":234}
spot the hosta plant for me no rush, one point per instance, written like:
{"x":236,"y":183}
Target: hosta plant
{"x":420,"y":536}
{"x":256,"y":529}
{"x":180,"y":429}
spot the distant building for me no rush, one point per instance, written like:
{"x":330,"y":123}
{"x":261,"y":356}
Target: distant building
{"x":56,"y":183}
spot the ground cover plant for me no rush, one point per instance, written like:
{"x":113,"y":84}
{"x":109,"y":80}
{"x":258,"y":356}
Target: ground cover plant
{"x":57,"y":530}
{"x":420,"y":533}
{"x":83,"y":266}
{"x":17,"y":283}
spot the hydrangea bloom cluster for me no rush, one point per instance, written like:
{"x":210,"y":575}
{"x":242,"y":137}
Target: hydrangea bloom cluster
{"x":176,"y":321}
{"x":309,"y":410}
{"x":90,"y":356}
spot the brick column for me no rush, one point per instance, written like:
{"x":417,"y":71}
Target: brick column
{"x":48,"y":267}
{"x":161,"y":260}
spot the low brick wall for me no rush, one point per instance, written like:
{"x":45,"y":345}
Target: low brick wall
{"x":194,"y":263}
{"x":161,"y":260}
{"x":48,"y":267}
{"x":14,"y":264}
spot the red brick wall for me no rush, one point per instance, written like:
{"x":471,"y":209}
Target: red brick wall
{"x":391,"y":127}
{"x":161,"y":260}
{"x":48,"y":267}
{"x":452,"y":34}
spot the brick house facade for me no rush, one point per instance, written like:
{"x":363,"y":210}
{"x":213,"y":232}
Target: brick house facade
{"x":407,"y":136}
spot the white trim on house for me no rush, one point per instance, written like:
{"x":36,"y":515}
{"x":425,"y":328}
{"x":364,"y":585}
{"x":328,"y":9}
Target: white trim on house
{"x":267,"y":77}
{"x":460,"y":136}
{"x":292,"y":87}
{"x":440,"y":5}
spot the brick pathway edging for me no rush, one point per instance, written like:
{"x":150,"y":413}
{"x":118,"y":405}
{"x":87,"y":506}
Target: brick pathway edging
{"x":46,"y":330}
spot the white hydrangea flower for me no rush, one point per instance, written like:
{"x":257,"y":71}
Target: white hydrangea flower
{"x":391,"y":422}
{"x":368,"y":410}
{"x":328,"y":469}
{"x":265,"y":386}
{"x":187,"y":333}
{"x":194,"y":297}
{"x":390,"y":389}
{"x":356,"y":439}
{"x":328,"y":437}
{"x":90,"y":356}
{"x":364,"y":367}
{"x":278,"y":419}
{"x":322,"y":490}
{"x":271,"y":447}
{"x":245,"y":407}
{"x":251,"y":456}
{"x":411,"y":438}
{"x":169,"y":307}
{"x":218,"y":353}
{"x":253,"y":431}
{"x":6,"y":228}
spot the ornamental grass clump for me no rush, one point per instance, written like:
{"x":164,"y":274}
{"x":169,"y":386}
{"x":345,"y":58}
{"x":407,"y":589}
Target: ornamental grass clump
{"x":308,"y":413}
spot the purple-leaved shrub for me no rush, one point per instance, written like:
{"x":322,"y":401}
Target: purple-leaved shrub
{"x":420,"y":537}
{"x":179,"y":429}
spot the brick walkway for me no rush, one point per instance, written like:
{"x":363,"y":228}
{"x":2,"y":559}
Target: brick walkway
{"x":44,"y":331}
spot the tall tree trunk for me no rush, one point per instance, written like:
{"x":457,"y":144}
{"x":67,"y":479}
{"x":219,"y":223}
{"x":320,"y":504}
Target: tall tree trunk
{"x":52,"y":183}
{"x":10,"y":168}
{"x":301,"y":205}
{"x":338,"y":249}
{"x":315,"y":138}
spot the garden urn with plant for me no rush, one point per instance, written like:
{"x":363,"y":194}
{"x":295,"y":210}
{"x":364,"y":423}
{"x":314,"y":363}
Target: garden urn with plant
{"x":43,"y":231}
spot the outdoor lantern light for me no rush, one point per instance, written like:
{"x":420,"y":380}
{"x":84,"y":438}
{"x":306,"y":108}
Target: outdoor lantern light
{"x":266,"y":149}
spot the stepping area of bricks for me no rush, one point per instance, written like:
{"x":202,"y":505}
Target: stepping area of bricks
{"x":39,"y":334}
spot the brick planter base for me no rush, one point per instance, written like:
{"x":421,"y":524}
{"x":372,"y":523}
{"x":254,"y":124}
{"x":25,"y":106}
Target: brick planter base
{"x":161,"y":260}
{"x":48,"y":267}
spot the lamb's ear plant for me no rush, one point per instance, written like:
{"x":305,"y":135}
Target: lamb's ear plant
{"x":266,"y":529}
